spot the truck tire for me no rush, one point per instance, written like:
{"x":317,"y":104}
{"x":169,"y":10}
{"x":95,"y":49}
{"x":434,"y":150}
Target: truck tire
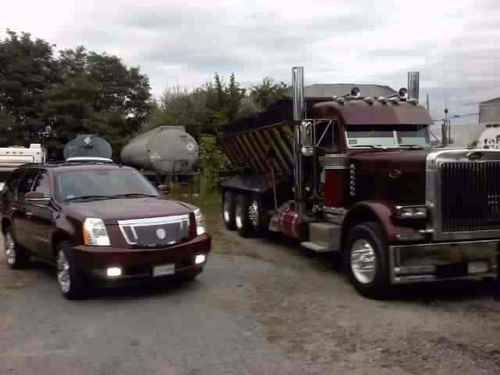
{"x":257,"y":214}
{"x":69,"y":277}
{"x":16,"y":256}
{"x":366,"y":260}
{"x":228,"y":209}
{"x":241,"y":218}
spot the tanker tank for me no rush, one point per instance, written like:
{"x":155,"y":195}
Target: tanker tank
{"x":165,"y":150}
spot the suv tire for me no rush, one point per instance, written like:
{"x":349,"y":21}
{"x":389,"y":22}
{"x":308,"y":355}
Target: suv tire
{"x":366,"y":260}
{"x":69,"y":277}
{"x":16,"y":256}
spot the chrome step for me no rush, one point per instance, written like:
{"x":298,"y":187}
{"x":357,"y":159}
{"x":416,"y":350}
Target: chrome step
{"x":318,"y":248}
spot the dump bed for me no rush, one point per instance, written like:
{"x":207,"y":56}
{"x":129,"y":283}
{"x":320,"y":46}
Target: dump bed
{"x":264,"y":141}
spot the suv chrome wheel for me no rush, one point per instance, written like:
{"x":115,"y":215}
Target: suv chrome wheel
{"x":10,"y":249}
{"x":363,"y":261}
{"x":63,"y":272}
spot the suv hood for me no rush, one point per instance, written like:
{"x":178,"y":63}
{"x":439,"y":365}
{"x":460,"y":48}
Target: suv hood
{"x":391,"y":175}
{"x":111,"y":210}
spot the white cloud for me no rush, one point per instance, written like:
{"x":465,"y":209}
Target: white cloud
{"x":452,"y":43}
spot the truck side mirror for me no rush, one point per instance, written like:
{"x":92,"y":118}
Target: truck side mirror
{"x":307,"y":138}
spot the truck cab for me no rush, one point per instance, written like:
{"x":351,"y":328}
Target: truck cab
{"x":358,"y":178}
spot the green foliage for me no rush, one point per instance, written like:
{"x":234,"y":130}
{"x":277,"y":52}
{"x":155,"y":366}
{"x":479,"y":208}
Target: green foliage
{"x":27,"y":71}
{"x":76,"y":92}
{"x":213,"y":161}
{"x":268,"y":92}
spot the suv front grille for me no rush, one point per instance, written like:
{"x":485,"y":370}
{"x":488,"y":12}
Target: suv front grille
{"x":470,"y":193}
{"x":155,"y":232}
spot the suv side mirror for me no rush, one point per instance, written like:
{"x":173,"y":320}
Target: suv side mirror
{"x":165,"y":189}
{"x":36,"y":197}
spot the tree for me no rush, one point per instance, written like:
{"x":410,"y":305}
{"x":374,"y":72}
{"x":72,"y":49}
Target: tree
{"x":98,"y":94}
{"x":27,"y":71}
{"x":268,"y":92}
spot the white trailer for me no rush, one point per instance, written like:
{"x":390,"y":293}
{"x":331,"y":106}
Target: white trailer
{"x":15,"y":156}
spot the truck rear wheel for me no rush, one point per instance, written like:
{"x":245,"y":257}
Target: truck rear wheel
{"x":241,"y":218}
{"x":366,"y":260}
{"x":228,"y":209}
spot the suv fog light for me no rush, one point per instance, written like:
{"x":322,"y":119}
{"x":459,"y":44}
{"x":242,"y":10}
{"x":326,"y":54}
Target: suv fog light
{"x":113,"y":272}
{"x":200,"y":258}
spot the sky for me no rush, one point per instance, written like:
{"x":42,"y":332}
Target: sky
{"x":453,"y":44}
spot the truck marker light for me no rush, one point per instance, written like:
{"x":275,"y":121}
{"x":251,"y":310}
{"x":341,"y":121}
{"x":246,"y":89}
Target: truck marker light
{"x":113,"y":272}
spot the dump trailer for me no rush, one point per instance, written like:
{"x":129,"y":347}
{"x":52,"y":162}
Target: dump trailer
{"x":164,"y":153}
{"x":356,"y":176}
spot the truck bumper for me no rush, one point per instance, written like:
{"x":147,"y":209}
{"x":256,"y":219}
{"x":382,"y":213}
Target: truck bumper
{"x":465,"y":260}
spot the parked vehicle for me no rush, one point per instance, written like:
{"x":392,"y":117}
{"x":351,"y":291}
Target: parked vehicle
{"x":358,"y":178}
{"x":99,"y":223}
{"x":163,"y":153}
{"x":13,"y":157}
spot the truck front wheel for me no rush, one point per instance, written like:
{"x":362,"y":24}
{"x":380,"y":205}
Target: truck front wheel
{"x":366,"y":260}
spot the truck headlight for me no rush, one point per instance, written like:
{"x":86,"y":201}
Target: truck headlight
{"x":95,"y":233}
{"x":411,"y":212}
{"x":200,"y":222}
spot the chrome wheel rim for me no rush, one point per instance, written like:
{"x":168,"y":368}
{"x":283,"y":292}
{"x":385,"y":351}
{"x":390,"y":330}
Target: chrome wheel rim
{"x":226,"y":215}
{"x":63,"y":276}
{"x":10,"y":249}
{"x":363,"y":261}
{"x":238,"y":219}
{"x":253,"y":213}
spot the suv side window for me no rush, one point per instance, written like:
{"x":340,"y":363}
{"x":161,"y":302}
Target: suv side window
{"x":10,"y":189}
{"x":26,"y":183}
{"x":42,"y":184}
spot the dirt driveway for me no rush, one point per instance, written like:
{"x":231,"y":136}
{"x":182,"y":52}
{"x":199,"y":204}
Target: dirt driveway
{"x":261,"y":307}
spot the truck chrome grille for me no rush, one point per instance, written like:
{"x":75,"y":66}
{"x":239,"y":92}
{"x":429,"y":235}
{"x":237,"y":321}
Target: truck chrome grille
{"x":470,"y":194}
{"x":155,"y":232}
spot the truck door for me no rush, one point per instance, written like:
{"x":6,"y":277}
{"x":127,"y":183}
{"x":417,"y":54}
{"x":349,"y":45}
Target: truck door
{"x":40,"y":215}
{"x":332,"y":164}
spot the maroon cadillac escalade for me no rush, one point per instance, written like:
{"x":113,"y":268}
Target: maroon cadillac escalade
{"x":97,"y":221}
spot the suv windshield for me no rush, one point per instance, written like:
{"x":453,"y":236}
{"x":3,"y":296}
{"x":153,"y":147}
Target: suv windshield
{"x":102,"y":184}
{"x":387,"y":137}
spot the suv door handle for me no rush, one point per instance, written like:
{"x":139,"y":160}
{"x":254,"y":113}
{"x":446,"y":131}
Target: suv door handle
{"x":29,"y":214}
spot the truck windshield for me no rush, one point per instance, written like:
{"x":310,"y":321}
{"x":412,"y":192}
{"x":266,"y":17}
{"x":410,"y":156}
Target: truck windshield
{"x":102,"y":184}
{"x":382,"y":136}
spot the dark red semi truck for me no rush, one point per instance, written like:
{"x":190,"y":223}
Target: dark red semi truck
{"x":357,"y":176}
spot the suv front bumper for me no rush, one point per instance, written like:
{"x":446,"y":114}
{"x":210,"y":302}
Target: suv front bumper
{"x":465,"y":260}
{"x":138,"y":264}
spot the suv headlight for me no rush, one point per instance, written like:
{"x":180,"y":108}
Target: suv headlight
{"x":200,"y":222}
{"x":95,"y":233}
{"x":411,"y":212}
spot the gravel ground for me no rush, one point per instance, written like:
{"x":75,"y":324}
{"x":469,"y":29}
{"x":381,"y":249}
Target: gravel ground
{"x":260,"y":307}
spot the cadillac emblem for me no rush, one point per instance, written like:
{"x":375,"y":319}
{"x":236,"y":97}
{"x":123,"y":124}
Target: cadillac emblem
{"x":161,"y":233}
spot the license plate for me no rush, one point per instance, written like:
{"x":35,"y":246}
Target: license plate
{"x":163,"y":270}
{"x":477,"y":267}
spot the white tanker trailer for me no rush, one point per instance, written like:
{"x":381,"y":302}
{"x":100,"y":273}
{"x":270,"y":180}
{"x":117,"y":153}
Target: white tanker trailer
{"x":166,"y":152}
